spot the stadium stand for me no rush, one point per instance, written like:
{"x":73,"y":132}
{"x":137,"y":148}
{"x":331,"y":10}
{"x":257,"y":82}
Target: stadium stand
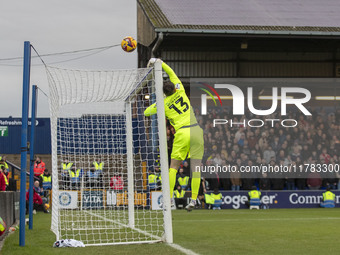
{"x":314,"y":140}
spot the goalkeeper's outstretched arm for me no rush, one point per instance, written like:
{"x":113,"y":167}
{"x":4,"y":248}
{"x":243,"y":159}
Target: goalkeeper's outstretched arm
{"x":151,"y":110}
{"x":173,"y":77}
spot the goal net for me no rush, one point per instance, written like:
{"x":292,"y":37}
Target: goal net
{"x":103,"y":151}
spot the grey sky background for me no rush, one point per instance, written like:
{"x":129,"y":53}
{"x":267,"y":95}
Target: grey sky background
{"x":59,"y":26}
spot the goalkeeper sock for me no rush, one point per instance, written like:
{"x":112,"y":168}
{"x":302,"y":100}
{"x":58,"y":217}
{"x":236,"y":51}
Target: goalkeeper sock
{"x":195,"y":184}
{"x":172,"y":176}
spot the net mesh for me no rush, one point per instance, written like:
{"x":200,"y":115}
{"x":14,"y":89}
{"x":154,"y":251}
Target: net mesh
{"x":89,"y":124}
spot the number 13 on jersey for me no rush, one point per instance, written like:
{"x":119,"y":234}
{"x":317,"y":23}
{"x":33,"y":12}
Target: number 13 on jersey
{"x":182,"y":104}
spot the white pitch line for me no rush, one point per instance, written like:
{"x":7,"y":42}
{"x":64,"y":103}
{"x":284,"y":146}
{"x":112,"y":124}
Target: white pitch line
{"x":264,"y":219}
{"x":126,"y":226}
{"x":175,"y":246}
{"x":182,"y":249}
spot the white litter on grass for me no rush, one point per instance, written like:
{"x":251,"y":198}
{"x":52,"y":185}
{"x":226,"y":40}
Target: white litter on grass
{"x":68,"y":243}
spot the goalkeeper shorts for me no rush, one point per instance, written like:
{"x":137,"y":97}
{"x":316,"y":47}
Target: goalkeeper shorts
{"x":188,"y":140}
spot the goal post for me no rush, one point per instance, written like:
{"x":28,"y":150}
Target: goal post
{"x":163,"y":151}
{"x":103,"y":150}
{"x":129,"y":147}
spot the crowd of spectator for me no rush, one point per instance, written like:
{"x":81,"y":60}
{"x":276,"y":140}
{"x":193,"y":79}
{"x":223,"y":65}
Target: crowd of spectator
{"x":314,"y":140}
{"x":42,"y":184}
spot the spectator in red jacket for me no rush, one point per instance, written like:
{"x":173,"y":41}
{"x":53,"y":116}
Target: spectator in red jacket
{"x":2,"y":180}
{"x":117,"y":183}
{"x":39,"y":167}
{"x":314,"y":181}
{"x":38,"y":204}
{"x":325,"y":156}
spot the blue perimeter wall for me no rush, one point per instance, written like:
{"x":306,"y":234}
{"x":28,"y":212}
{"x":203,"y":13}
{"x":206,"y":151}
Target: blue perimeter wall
{"x":277,"y":199}
{"x":11,"y":144}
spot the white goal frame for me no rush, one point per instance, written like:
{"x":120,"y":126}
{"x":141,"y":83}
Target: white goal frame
{"x":167,"y":237}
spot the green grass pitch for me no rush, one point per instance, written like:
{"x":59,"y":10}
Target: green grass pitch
{"x":273,"y":231}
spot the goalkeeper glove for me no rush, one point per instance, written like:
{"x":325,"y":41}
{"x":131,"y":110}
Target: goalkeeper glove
{"x":153,"y":61}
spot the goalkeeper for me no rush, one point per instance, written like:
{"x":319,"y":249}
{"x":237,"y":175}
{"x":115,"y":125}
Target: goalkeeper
{"x":189,"y":135}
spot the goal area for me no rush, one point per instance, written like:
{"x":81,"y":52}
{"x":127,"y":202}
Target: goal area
{"x":103,"y":150}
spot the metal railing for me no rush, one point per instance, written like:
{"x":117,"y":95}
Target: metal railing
{"x":14,"y":168}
